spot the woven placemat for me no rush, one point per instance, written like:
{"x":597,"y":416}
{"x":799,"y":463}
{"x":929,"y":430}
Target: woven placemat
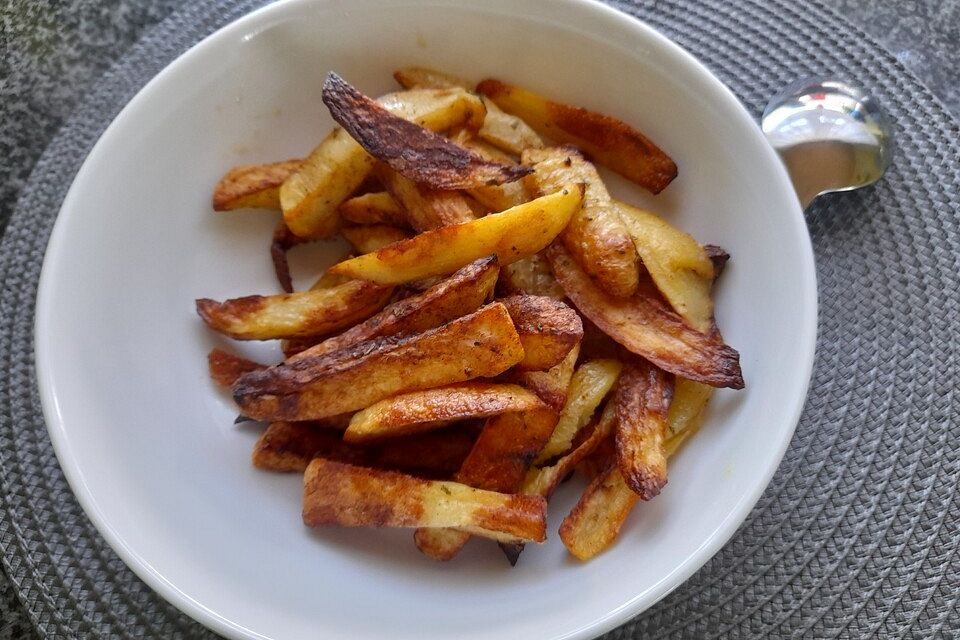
{"x":857,"y":535}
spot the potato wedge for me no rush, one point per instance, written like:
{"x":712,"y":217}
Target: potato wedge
{"x":419,"y":411}
{"x":590,"y":384}
{"x":225,"y":367}
{"x":548,"y":330}
{"x":511,"y":235}
{"x":254,"y":186}
{"x":373,"y":208}
{"x":425,"y":208}
{"x":596,"y":520}
{"x":350,"y":496}
{"x":485,"y":343}
{"x":410,"y":149}
{"x":596,"y":235}
{"x":292,"y":315}
{"x":456,"y":296}
{"x":678,"y":265}
{"x":608,"y":140}
{"x":495,"y":197}
{"x":647,"y":327}
{"x":333,"y":171}
{"x":551,"y":385}
{"x":499,"y":462}
{"x":643,"y":397}
{"x":370,"y":237}
{"x":532,"y":276}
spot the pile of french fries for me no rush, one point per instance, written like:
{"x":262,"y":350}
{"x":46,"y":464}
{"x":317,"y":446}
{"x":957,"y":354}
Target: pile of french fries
{"x":502,"y":323}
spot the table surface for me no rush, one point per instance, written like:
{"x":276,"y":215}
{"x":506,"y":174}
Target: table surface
{"x":50,"y":50}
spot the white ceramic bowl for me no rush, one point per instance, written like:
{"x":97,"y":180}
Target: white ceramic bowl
{"x":148,"y":442}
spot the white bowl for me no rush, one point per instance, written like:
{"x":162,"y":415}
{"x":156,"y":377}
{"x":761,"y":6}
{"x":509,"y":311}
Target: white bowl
{"x":148,"y":444}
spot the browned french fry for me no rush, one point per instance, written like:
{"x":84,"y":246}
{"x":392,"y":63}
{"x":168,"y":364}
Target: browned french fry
{"x":283,"y":240}
{"x":254,"y":186}
{"x":548,"y":330}
{"x":596,"y":236}
{"x":410,"y":149}
{"x":496,"y":197}
{"x":647,"y":327}
{"x":643,"y":398}
{"x":532,"y":276}
{"x":350,"y":496}
{"x":367,"y":238}
{"x":599,"y":460}
{"x":456,"y":296}
{"x":551,"y":385}
{"x":596,"y":520}
{"x":511,"y":235}
{"x":225,"y":367}
{"x":425,"y":208}
{"x":498,"y":462}
{"x":438,"y":454}
{"x":292,"y":315}
{"x":422,"y":410}
{"x":373,"y":208}
{"x":485,"y":343}
{"x":608,"y":140}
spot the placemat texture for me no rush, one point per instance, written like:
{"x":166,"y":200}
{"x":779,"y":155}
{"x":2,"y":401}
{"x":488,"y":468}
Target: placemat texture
{"x":857,"y":535}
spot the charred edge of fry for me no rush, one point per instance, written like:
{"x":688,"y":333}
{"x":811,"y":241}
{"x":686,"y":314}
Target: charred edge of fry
{"x":421,"y":155}
{"x":548,"y":329}
{"x":283,"y":240}
{"x":718,"y":256}
{"x":226,"y":367}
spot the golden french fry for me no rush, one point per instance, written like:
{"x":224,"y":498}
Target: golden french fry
{"x":532,"y":276}
{"x":590,"y":384}
{"x":373,"y":208}
{"x":608,"y":140}
{"x":225,"y":367}
{"x":548,"y":330}
{"x":418,"y":411}
{"x":689,"y":401}
{"x":425,"y":208}
{"x":596,"y":520}
{"x":643,"y":398}
{"x":292,"y":315}
{"x":485,"y":343}
{"x":511,"y":235}
{"x":551,"y":385}
{"x":596,"y":235}
{"x":349,"y":496}
{"x":253,"y":186}
{"x":368,"y":238}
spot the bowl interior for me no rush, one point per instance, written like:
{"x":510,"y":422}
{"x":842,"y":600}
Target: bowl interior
{"x":148,"y":442}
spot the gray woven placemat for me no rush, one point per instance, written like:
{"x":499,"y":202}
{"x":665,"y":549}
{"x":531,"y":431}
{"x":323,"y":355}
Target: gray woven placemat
{"x":857,"y":535}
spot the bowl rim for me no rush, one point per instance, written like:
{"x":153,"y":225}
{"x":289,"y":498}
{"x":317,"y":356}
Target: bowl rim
{"x":285,"y":9}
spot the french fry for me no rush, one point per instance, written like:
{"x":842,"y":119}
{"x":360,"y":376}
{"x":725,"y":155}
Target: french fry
{"x":225,"y":367}
{"x":425,"y":208}
{"x":370,"y":237}
{"x":456,"y":296}
{"x":350,"y":496}
{"x":333,"y":171}
{"x":590,"y":384}
{"x":283,"y":240}
{"x":608,"y":140}
{"x":485,"y":343}
{"x":410,"y":149}
{"x":596,"y":235}
{"x":499,"y":462}
{"x":511,"y":235}
{"x":292,"y":315}
{"x":551,"y":385}
{"x":643,"y":398}
{"x":689,"y":401}
{"x":647,"y":327}
{"x":437,"y":454}
{"x":495,"y":197}
{"x":419,"y":411}
{"x":424,"y":78}
{"x":253,"y":186}
{"x":548,"y":330}
{"x":373,"y":208}
{"x":532,"y":276}
{"x":599,"y":460}
{"x":596,"y":520}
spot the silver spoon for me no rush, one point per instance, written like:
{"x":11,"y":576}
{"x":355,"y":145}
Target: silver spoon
{"x":830,"y":135}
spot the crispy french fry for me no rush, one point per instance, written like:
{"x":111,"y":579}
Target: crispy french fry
{"x":496,"y":197}
{"x":425,"y":208}
{"x":225,"y":367}
{"x":647,"y":327}
{"x":590,"y":384}
{"x":596,"y":520}
{"x":643,"y":398}
{"x":350,"y":496}
{"x":255,"y":186}
{"x":373,"y":208}
{"x":551,"y":385}
{"x":548,"y":330}
{"x":292,"y":315}
{"x":511,"y":235}
{"x":608,"y":140}
{"x":498,"y":462}
{"x":456,"y":296}
{"x":333,"y":171}
{"x":422,"y":410}
{"x":409,"y":148}
{"x":370,"y":237}
{"x":532,"y":276}
{"x":596,"y":235}
{"x":485,"y":343}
